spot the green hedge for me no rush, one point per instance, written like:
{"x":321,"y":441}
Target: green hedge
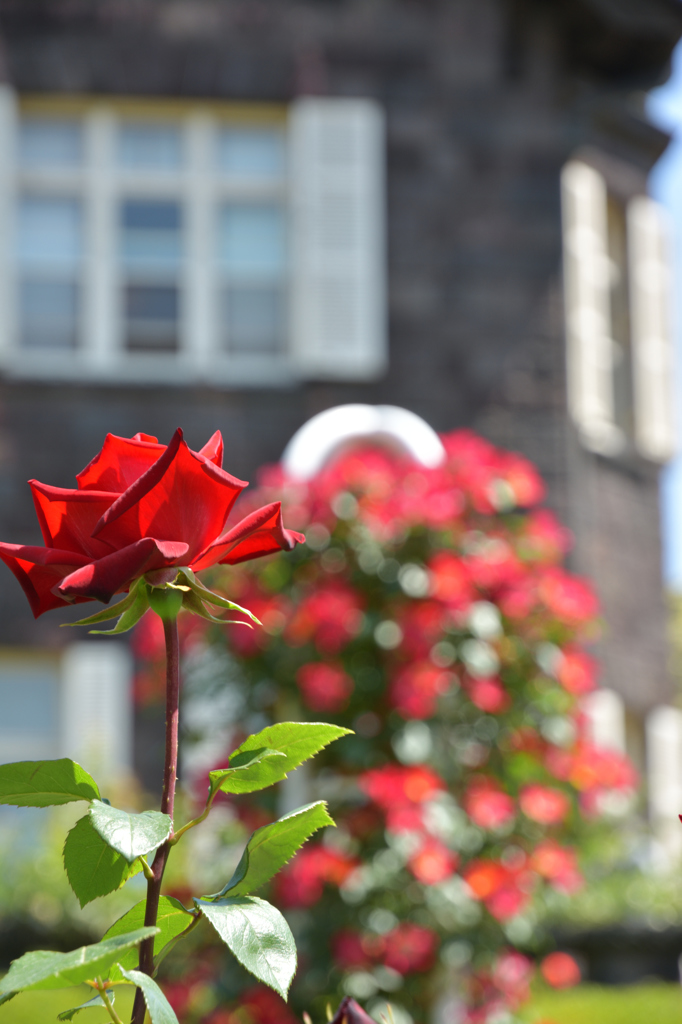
{"x":595,"y":1004}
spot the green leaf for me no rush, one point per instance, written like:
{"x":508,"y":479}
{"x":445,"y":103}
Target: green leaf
{"x":91,"y":1004}
{"x":172,"y":919}
{"x":131,"y":835}
{"x":158,"y":1007}
{"x":215,"y":599}
{"x":45,"y":783}
{"x":271,"y":846}
{"x":112,"y":611}
{"x":297,"y":740}
{"x":258,"y":935}
{"x":92,"y":867}
{"x":44,"y":970}
{"x":246,"y":765}
{"x":131,"y":615}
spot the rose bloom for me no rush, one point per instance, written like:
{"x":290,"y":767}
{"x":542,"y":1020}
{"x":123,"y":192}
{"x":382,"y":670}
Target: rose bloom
{"x":487,"y":806}
{"x":330,"y":616}
{"x":324,"y":687}
{"x":558,"y":864}
{"x":302,"y":881}
{"x":489,"y":695}
{"x":560,"y":970}
{"x":543,"y":804}
{"x":450,"y":580}
{"x":415,"y":690}
{"x":410,"y":947}
{"x":511,"y":973}
{"x":569,"y":598}
{"x":433,"y":862}
{"x":395,"y":784}
{"x":577,"y":672}
{"x":140,"y":506}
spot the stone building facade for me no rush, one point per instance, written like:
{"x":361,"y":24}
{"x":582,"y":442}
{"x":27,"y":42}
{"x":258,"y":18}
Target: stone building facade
{"x":479,"y":106}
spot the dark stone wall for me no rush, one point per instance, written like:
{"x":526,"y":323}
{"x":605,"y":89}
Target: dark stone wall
{"x":485,"y":101}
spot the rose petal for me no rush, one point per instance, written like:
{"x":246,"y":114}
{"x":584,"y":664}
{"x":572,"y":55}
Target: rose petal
{"x":213,"y":449}
{"x":67,"y":517}
{"x":260,"y":533}
{"x":38,"y":569}
{"x":102,"y":579}
{"x":183,"y":496}
{"x":120,"y":462}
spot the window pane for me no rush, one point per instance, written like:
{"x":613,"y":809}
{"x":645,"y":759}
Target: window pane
{"x":248,"y":153}
{"x":251,"y":240}
{"x":50,"y":143}
{"x":48,"y":313}
{"x":151,"y":318}
{"x":151,"y":234}
{"x":49,"y":233}
{"x":253,"y":319}
{"x":151,"y":147}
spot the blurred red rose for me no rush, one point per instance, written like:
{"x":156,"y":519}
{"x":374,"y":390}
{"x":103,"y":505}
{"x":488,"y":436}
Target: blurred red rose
{"x":487,"y":806}
{"x":488,"y":695}
{"x":139,"y":506}
{"x":560,"y":970}
{"x":324,"y":687}
{"x":433,"y":862}
{"x":543,"y":804}
{"x":577,"y":671}
{"x":410,"y":947}
{"x":330,"y":616}
{"x":415,"y":690}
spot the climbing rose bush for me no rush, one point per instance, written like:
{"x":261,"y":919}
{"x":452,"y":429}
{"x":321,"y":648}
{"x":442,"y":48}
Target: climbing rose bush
{"x":430,"y":612}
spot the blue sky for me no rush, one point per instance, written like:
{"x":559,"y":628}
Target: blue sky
{"x":665,"y":109}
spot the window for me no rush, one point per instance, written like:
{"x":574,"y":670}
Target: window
{"x":173,"y":242}
{"x":619,"y":351}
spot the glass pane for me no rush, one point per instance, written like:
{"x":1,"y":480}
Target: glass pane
{"x":48,"y":313}
{"x":28,"y":703}
{"x":251,"y":152}
{"x":152,"y":317}
{"x":49,"y":233}
{"x":152,"y":147}
{"x":151,"y":234}
{"x":253,"y":319}
{"x":251,"y":240}
{"x":50,"y":143}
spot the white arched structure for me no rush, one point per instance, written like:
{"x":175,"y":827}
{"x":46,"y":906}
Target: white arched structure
{"x":323,"y":435}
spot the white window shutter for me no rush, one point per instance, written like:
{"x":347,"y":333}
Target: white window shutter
{"x":96,"y":707}
{"x":338,"y":316}
{"x":588,"y":307}
{"x":653,"y":369}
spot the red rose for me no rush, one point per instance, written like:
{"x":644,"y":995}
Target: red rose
{"x":140,"y":506}
{"x":560,"y":970}
{"x":543,"y":804}
{"x":324,"y":687}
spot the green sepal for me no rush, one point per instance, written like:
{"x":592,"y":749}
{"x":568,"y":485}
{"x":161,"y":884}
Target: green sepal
{"x":171,"y":921}
{"x":111,"y":611}
{"x":132,"y":615}
{"x":210,"y":597}
{"x":297,"y":740}
{"x":258,"y":936}
{"x":131,"y":835}
{"x":49,"y":970}
{"x":92,"y":867}
{"x":193,"y":604}
{"x":272,"y":846}
{"x":45,"y":783}
{"x":90,"y":1005}
{"x":159,"y":1009}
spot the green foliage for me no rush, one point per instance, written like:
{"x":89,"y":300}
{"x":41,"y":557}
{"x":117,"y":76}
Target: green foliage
{"x":92,"y":866}
{"x":296,"y":740}
{"x":589,"y":1004}
{"x":258,"y":936}
{"x":158,"y":1007}
{"x":90,"y":1005}
{"x":172,"y":919}
{"x":45,"y":783}
{"x":131,"y":835}
{"x":246,"y":764}
{"x":43,"y":970}
{"x":272,"y":846}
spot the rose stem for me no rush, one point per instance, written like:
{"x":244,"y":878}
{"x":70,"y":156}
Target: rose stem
{"x":170,"y":772}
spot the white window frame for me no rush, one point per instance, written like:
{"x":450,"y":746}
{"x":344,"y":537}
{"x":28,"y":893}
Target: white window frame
{"x":100,"y":185}
{"x":590,"y":349}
